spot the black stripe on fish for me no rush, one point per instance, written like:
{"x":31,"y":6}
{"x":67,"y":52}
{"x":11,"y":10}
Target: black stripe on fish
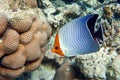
{"x":99,"y":33}
{"x":91,"y":24}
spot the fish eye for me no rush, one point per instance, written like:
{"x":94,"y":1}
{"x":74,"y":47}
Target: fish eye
{"x":56,"y":47}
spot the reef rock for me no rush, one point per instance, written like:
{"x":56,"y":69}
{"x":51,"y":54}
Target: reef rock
{"x":67,"y":71}
{"x":95,"y":65}
{"x":116,"y":67}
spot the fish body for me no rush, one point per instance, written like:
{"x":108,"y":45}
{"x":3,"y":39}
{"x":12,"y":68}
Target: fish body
{"x":78,"y":37}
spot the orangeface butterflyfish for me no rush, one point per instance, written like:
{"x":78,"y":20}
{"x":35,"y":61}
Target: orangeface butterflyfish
{"x":79,"y":36}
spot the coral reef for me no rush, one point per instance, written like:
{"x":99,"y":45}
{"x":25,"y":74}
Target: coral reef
{"x":24,"y":33}
{"x":104,"y":64}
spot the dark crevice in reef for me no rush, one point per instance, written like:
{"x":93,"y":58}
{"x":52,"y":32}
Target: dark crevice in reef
{"x":116,"y":15}
{"x":101,"y":1}
{"x":51,"y":62}
{"x":57,"y":12}
{"x":40,"y":4}
{"x":78,"y":74}
{"x":118,"y":1}
{"x":68,"y":1}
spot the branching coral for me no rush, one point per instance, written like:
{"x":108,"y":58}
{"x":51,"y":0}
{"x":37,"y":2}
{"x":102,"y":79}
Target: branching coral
{"x":23,"y":39}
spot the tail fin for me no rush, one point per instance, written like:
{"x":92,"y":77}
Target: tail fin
{"x":99,"y":33}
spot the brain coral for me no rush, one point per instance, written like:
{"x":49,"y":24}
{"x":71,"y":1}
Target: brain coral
{"x":32,"y":50}
{"x":23,"y":37}
{"x":1,"y":50}
{"x":10,"y":41}
{"x":21,"y":25}
{"x":15,"y":60}
{"x":3,"y":23}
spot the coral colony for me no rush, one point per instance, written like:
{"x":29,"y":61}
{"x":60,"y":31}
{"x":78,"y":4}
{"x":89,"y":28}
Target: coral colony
{"x":23,"y":41}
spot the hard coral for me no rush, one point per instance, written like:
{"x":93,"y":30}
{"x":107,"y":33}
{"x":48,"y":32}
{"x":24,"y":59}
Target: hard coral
{"x":36,"y":25}
{"x":32,"y":50}
{"x":27,"y":36}
{"x":15,"y":60}
{"x":44,"y":38}
{"x":11,"y":73}
{"x":107,"y":12}
{"x":47,"y":29}
{"x":21,"y":25}
{"x":10,"y":41}
{"x":13,"y":4}
{"x":1,"y":50}
{"x":4,"y":78}
{"x":30,"y":66}
{"x":3,"y":23}
{"x":23,"y":41}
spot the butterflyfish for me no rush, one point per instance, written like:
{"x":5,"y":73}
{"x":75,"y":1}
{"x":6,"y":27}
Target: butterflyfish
{"x":79,"y":36}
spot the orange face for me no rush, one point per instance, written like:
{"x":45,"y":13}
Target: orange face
{"x":56,"y":47}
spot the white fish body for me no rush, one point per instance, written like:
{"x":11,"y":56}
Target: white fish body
{"x":77,"y":37}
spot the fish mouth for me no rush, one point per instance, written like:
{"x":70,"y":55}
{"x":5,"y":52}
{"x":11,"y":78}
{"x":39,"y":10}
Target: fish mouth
{"x":91,"y":24}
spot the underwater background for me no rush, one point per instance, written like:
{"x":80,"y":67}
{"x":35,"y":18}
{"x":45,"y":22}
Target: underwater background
{"x":47,"y":17}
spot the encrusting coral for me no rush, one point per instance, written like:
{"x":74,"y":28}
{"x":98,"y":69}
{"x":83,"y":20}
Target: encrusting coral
{"x":24,"y":34}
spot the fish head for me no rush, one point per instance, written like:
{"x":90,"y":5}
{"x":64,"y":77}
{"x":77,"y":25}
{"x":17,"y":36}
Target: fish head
{"x":56,"y":48}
